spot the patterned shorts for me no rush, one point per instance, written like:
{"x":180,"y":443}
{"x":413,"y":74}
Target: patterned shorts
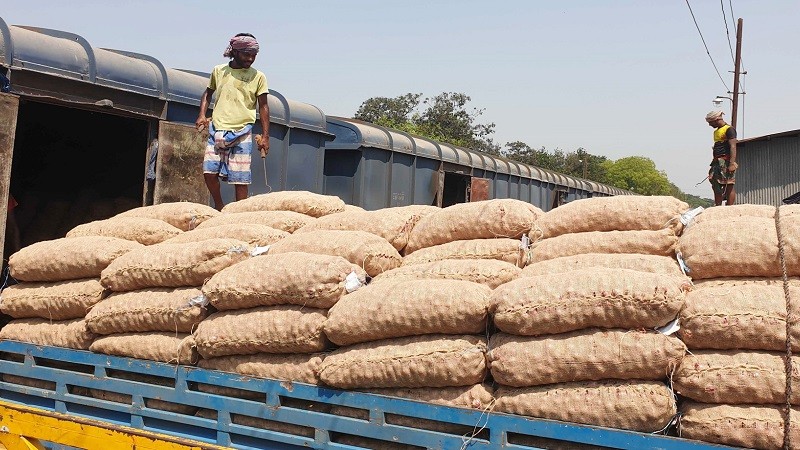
{"x":231,"y":164}
{"x":719,"y":176}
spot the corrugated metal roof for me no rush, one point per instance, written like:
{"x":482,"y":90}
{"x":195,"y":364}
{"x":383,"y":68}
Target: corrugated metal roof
{"x":770,"y":136}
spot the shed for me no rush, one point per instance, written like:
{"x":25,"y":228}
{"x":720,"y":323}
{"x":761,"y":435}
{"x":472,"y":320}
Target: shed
{"x":769,"y":168}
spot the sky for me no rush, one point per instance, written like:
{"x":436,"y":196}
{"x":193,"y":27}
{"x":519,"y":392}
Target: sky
{"x":617,"y":78}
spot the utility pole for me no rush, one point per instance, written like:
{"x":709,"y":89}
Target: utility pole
{"x":736,"y":70}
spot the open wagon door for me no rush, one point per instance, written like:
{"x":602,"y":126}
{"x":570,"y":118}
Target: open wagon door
{"x":179,"y":165}
{"x":9,"y":107}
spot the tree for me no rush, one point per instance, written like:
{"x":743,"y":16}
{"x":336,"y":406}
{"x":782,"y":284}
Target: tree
{"x":637,"y":174}
{"x":444,"y":118}
{"x":557,"y":160}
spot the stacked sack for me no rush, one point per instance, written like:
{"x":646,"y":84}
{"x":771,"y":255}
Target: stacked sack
{"x":478,"y":242}
{"x":734,"y":324}
{"x":576,"y":340}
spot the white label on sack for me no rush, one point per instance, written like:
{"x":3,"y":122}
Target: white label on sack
{"x":688,"y":216}
{"x":260,"y":250}
{"x":200,"y":300}
{"x":670,"y":328}
{"x":352,"y":282}
{"x":525,"y":242}
{"x":679,"y":256}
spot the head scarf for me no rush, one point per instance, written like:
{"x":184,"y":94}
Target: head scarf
{"x":241,"y":43}
{"x":714,"y":115}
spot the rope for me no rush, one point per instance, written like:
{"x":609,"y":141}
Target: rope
{"x":787,"y":441}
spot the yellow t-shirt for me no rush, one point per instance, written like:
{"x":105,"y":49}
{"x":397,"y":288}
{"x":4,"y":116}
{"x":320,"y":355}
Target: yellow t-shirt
{"x":237,"y":92}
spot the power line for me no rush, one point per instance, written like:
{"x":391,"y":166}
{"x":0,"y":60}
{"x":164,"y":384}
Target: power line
{"x":727,"y":29}
{"x":706,"y":46}
{"x":741,"y":60}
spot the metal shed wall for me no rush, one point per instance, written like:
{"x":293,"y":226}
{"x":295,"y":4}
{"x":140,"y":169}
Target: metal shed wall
{"x":769,"y":168}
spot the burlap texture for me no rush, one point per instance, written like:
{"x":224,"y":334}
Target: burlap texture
{"x":743,"y":281}
{"x":153,"y":309}
{"x":168,"y":347}
{"x":736,"y":377}
{"x":616,"y":213}
{"x":502,"y":249}
{"x":749,"y":426}
{"x":419,"y":210}
{"x":373,"y":253}
{"x":152,"y":403}
{"x":478,"y":396}
{"x":352,"y":208}
{"x":288,"y":221}
{"x":61,"y":300}
{"x":408,"y":308}
{"x":637,"y":405}
{"x":305,"y":279}
{"x":499,"y":218}
{"x":643,"y":263}
{"x":68,"y":258}
{"x":728,"y":316}
{"x":143,"y":230}
{"x":392,"y":224}
{"x":272,"y":329}
{"x":252,"y":234}
{"x":743,"y":210}
{"x":586,"y":298}
{"x":303,"y":368}
{"x":586,"y":355}
{"x":744,"y":247}
{"x":173,"y":265}
{"x":489,"y":272}
{"x":648,"y":242}
{"x":304,"y":202}
{"x":264,"y":424}
{"x":66,"y":333}
{"x":182,"y":215}
{"x":419,"y":361}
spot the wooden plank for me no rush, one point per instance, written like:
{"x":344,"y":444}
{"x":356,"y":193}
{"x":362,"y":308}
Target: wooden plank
{"x":9,"y":107}
{"x":179,"y":166}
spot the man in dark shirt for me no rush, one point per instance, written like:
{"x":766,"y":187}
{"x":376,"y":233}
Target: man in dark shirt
{"x":722,"y":173}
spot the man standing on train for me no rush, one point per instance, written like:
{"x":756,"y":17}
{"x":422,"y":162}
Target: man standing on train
{"x":722,"y":173}
{"x":240,"y":89}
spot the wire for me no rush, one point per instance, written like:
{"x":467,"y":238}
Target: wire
{"x":733,"y":20}
{"x":727,"y":30}
{"x":706,"y":46}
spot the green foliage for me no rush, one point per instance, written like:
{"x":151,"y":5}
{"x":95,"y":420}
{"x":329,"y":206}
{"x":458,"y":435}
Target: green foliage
{"x":558,"y":161}
{"x":637,"y":174}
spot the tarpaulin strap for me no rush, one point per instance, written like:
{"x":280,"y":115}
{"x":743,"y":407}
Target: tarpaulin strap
{"x":787,"y":441}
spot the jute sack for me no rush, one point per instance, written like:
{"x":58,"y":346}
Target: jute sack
{"x":508,"y":250}
{"x":586,"y":355}
{"x":152,"y":403}
{"x":305,"y":279}
{"x":636,"y":405}
{"x":302,"y":368}
{"x":750,"y":426}
{"x":741,"y":247}
{"x":153,"y":309}
{"x":140,"y":229}
{"x":743,"y":210}
{"x":632,"y":261}
{"x":273,"y":329}
{"x":499,"y":218}
{"x":586,"y":298}
{"x":288,"y":221}
{"x":729,"y":316}
{"x":373,"y":253}
{"x":168,"y":347}
{"x":257,"y":422}
{"x":66,"y":333}
{"x":252,"y":234}
{"x":173,"y":265}
{"x":489,"y":272}
{"x":182,"y":215}
{"x":62,"y":300}
{"x":408,"y":308}
{"x":744,"y":281}
{"x":648,"y":242}
{"x":391,"y":224}
{"x":736,"y":377}
{"x":68,"y":258}
{"x":419,"y":210}
{"x":304,"y":202}
{"x":418,"y":361}
{"x":617,"y":213}
{"x":352,"y":208}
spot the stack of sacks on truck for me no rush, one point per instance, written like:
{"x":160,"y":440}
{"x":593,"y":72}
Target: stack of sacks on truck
{"x":734,"y":324}
{"x":478,"y":242}
{"x":271,"y":311}
{"x":577,"y":336}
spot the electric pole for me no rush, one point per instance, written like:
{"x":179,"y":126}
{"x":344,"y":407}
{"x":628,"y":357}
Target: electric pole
{"x":736,"y":69}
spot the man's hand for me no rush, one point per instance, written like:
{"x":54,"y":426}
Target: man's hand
{"x":732,"y":167}
{"x":201,"y":123}
{"x":263,"y":144}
